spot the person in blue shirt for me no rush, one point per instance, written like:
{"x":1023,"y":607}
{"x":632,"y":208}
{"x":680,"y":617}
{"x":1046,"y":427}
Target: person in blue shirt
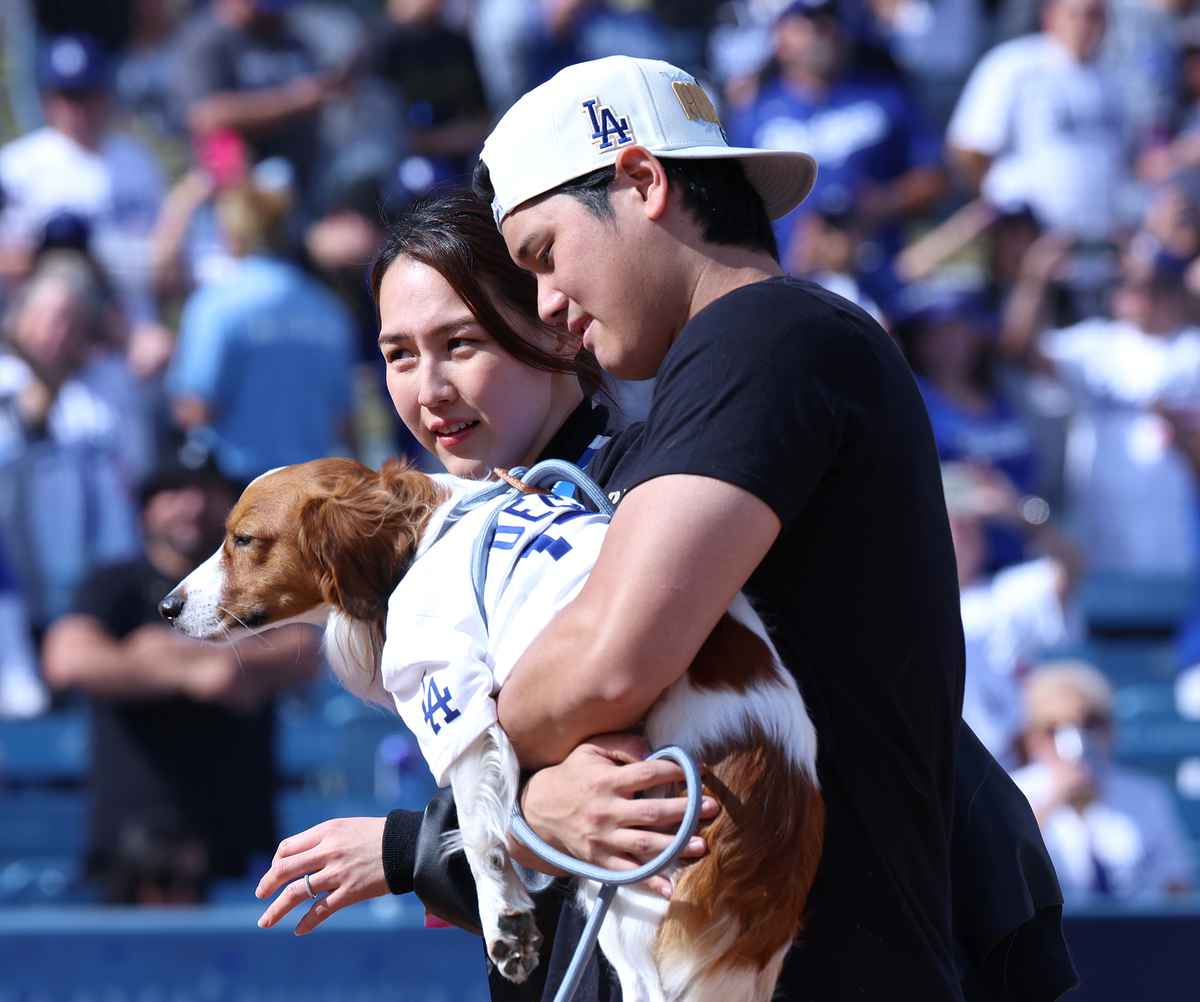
{"x":948,"y":338}
{"x":864,"y":129}
{"x":263,"y":370}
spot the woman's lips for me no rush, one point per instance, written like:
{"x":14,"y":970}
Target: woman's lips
{"x":449,"y":439}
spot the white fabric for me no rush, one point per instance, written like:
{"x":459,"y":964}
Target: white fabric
{"x":117,"y":188}
{"x":581,"y":119}
{"x":1132,"y":493}
{"x":1008,"y":621}
{"x":21,"y":691}
{"x":442,"y":664}
{"x":1053,"y":128}
{"x":1133,"y":829}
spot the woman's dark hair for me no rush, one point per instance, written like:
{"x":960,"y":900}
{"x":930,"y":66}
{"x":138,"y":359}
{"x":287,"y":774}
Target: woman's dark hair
{"x":717,"y":193}
{"x":454,"y":234}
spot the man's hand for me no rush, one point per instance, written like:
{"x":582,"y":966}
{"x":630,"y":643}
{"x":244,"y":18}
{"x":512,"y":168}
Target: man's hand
{"x":585,"y":806}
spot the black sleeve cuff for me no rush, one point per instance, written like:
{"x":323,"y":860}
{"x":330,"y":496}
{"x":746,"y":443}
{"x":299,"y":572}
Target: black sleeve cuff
{"x":400,"y":849}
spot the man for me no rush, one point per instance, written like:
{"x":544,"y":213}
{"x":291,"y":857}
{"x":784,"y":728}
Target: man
{"x":1114,"y":832}
{"x":1039,"y":122}
{"x":182,"y":778}
{"x":754,"y":372}
{"x":1133,"y":375}
{"x":786,"y":454}
{"x":244,"y":70}
{"x":79,"y":163}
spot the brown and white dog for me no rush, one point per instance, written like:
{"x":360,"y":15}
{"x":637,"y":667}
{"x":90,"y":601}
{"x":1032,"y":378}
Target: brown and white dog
{"x":326,"y":542}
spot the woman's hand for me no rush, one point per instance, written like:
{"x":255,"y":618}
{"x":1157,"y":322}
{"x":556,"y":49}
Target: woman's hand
{"x":344,"y":860}
{"x":585,"y":806}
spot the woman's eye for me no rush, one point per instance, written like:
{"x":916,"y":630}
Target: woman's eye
{"x":455,"y":343}
{"x":398,"y":355}
{"x":242,"y":540}
{"x":546,"y":259}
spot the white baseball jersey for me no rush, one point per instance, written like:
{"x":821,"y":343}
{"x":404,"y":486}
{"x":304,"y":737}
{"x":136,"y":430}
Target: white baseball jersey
{"x":442,"y":663}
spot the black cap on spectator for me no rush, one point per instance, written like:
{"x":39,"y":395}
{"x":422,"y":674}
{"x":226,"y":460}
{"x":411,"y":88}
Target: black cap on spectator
{"x":66,"y":230}
{"x":73,"y":64}
{"x":174,"y":474}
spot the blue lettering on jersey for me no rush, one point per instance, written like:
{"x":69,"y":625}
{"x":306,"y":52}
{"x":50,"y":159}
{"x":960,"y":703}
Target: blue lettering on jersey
{"x":606,"y":125}
{"x":532,"y":509}
{"x":436,"y":700}
{"x":556,"y":546}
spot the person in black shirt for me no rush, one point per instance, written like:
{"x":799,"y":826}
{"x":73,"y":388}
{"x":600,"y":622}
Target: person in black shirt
{"x":787,"y":454}
{"x":182,"y":778}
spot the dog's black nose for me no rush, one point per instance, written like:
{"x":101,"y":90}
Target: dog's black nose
{"x":171,"y":606}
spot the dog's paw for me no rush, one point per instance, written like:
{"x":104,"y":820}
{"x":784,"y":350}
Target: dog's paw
{"x":514,"y":950}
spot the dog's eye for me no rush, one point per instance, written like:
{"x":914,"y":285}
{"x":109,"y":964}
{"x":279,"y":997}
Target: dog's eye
{"x":242,"y":540}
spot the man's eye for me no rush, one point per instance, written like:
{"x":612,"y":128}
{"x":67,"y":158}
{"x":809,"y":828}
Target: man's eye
{"x":242,"y":540}
{"x":545,"y":258}
{"x":455,"y":343}
{"x":398,"y":355}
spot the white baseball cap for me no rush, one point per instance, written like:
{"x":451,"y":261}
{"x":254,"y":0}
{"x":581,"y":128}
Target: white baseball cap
{"x":583,"y":116}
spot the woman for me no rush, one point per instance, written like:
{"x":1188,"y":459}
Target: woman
{"x":481,"y":383}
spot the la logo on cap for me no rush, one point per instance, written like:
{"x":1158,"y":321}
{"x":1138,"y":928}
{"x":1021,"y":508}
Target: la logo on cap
{"x":606,"y":125}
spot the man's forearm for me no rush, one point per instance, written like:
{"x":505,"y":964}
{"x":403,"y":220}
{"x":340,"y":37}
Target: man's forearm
{"x":253,"y":110}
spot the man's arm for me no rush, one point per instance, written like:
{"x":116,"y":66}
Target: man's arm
{"x":154,"y":662}
{"x":677,"y":552}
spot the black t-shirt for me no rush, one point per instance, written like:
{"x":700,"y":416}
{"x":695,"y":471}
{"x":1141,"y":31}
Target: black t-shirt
{"x":173,"y":767}
{"x":796,"y":396}
{"x":434,"y":69}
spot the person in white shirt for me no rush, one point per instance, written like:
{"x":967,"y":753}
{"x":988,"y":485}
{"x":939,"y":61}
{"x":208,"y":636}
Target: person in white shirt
{"x":1111,"y":831}
{"x":74,"y":439}
{"x":1039,"y":123}
{"x":1010,"y":618}
{"x":1131,"y":490}
{"x":79,"y":163}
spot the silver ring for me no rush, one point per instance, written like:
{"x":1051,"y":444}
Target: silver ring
{"x":308,"y":884}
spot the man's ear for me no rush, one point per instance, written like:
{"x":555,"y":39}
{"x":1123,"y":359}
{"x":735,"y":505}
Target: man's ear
{"x":639,"y":170}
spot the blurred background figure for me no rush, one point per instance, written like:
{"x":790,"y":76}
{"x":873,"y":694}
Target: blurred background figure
{"x":181,"y":772}
{"x":1112,"y":832}
{"x":1132,"y":491}
{"x":1010,"y":618}
{"x":949,"y":338}
{"x":871,"y":139}
{"x":266,"y":335}
{"x":1039,"y":122}
{"x":81,"y":162}
{"x":244,"y":69}
{"x":74,"y":436}
{"x":430,"y":67}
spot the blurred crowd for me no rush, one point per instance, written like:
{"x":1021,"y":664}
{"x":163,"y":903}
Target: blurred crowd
{"x":190,"y":192}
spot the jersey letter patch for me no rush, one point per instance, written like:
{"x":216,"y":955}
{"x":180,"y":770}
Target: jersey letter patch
{"x":437,"y":700}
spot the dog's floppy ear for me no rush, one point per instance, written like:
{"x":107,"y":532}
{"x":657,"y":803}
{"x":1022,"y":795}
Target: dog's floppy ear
{"x":361,"y":534}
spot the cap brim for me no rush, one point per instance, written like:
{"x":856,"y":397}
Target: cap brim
{"x":783,"y":178}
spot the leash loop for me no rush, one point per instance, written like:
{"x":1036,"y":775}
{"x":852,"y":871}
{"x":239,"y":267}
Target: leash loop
{"x":612,"y":880}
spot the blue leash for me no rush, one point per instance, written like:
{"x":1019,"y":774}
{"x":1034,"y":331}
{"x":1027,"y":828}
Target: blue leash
{"x":611,"y":880}
{"x":549,"y":473}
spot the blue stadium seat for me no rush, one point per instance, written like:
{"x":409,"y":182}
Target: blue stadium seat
{"x":52,"y":748}
{"x":42,"y":823}
{"x":1134,"y":602}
